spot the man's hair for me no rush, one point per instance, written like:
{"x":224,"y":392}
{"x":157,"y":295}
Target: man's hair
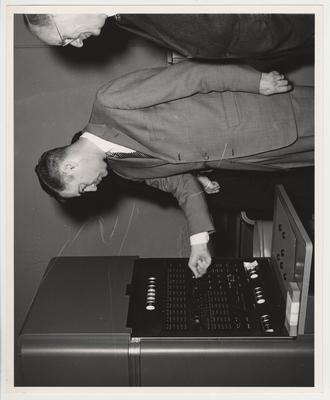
{"x":48,"y":170}
{"x":38,"y":20}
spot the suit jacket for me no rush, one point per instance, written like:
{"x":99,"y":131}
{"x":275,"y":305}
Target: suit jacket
{"x":223,"y":35}
{"x":190,"y":116}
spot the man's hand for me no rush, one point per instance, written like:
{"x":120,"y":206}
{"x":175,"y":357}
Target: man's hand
{"x":209,"y":186}
{"x":212,"y":187}
{"x":200,"y":259}
{"x":272,"y":83}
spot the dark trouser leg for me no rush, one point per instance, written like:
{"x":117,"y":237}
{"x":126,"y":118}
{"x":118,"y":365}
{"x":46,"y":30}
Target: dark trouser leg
{"x":253,"y":192}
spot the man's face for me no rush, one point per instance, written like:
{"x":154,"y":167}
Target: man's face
{"x":84,"y":177}
{"x":70,"y":29}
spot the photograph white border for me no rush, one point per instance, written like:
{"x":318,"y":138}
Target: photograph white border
{"x":321,"y":215}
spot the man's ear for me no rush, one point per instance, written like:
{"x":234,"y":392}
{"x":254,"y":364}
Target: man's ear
{"x":69,"y":166}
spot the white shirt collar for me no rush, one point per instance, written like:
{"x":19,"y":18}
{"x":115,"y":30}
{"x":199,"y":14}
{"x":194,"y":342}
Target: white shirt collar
{"x":100,"y":143}
{"x":105,"y":145}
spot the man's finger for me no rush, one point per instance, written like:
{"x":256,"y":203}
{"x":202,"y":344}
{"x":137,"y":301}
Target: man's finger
{"x":194,"y":267}
{"x":205,"y":262}
{"x":195,"y":271}
{"x":283,"y":82}
{"x":202,"y":264}
{"x":201,"y":268}
{"x":283,"y":89}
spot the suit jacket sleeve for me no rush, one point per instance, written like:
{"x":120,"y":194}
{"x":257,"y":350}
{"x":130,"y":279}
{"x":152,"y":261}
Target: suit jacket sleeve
{"x":153,"y":86}
{"x":186,"y":189}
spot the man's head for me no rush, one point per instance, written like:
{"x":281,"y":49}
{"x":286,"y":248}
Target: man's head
{"x":64,"y":29}
{"x":70,"y":171}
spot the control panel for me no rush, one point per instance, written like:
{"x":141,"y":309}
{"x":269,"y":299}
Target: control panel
{"x":234,"y":298}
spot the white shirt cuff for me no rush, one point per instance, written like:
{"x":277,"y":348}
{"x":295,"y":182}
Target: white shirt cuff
{"x":199,"y":238}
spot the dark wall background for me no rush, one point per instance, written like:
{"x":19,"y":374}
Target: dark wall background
{"x":54,"y":90}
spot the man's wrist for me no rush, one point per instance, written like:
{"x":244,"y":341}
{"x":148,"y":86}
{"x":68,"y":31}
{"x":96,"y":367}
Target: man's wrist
{"x":199,"y":238}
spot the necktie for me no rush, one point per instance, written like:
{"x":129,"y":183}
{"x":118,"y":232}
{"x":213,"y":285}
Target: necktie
{"x":134,"y":154}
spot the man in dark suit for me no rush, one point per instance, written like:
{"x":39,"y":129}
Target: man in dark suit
{"x":159,"y":125}
{"x":217,"y":36}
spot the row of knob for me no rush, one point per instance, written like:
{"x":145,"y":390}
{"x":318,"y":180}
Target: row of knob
{"x":251,"y":269}
{"x":266,"y":323}
{"x":151,"y":294}
{"x":259,"y":295}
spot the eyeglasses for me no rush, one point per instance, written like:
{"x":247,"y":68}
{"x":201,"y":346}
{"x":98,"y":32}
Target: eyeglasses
{"x":63,"y":42}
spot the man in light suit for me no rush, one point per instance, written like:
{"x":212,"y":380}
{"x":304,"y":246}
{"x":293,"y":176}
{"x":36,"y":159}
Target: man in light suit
{"x":159,"y":125}
{"x":217,"y":36}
